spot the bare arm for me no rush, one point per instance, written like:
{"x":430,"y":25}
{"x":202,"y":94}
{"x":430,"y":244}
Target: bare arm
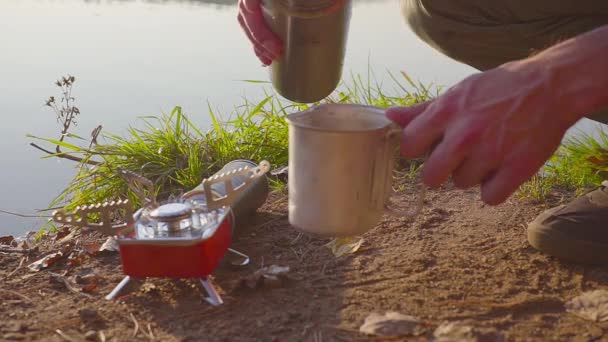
{"x":498,"y":128}
{"x":578,"y":72}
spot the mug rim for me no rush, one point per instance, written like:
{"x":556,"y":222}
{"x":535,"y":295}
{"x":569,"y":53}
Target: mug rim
{"x":380,"y":111}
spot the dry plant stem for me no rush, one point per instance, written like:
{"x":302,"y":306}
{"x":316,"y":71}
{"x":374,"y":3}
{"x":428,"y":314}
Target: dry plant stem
{"x":16,"y":269}
{"x":24,"y":215}
{"x":67,"y":284}
{"x":15,"y":250}
{"x":65,"y":155}
{"x":66,"y":115}
{"x":64,"y":336}
{"x":150,"y":334}
{"x":136,"y":327}
{"x":17,"y":294}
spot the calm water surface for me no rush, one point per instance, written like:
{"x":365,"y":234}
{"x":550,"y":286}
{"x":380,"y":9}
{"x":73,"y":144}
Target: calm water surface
{"x":135,"y":58}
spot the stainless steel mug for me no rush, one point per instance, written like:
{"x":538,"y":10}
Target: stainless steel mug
{"x":314,"y":35}
{"x":341,"y":160}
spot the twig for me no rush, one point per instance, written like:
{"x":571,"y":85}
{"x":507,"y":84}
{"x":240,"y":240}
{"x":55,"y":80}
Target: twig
{"x":136,"y":328}
{"x":296,"y":239}
{"x":16,"y":269}
{"x":22,"y":215}
{"x":18,"y":295}
{"x":102,"y":336}
{"x":67,"y":284}
{"x":15,"y":250}
{"x":150,"y":334}
{"x":65,"y":337}
{"x":60,"y":154}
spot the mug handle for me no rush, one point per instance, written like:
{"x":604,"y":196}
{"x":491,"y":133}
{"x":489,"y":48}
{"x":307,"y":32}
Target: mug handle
{"x":394,"y":131}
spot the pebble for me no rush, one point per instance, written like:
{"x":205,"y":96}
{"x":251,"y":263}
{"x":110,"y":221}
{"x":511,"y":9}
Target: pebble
{"x":91,"y":335}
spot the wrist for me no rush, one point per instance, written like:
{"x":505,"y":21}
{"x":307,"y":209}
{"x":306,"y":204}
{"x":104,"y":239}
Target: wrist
{"x":576,"y":73}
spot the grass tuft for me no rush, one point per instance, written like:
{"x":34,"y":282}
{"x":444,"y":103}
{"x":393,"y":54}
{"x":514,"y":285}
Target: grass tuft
{"x":176,"y":155}
{"x":579,"y":165}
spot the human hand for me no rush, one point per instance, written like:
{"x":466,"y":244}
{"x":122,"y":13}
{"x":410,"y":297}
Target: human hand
{"x":495,"y":129}
{"x":266,"y":45}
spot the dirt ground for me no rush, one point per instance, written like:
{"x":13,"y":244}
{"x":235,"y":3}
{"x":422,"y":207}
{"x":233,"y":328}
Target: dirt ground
{"x":460,"y":261}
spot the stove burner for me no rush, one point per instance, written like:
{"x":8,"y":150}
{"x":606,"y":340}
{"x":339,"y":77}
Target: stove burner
{"x":173,"y":216}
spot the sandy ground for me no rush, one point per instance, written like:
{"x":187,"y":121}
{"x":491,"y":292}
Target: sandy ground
{"x":459,"y":262}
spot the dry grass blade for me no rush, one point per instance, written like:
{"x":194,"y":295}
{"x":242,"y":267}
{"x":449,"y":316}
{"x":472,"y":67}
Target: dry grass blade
{"x":63,"y":280}
{"x":22,"y":296}
{"x":150,"y":334}
{"x":136,"y":327}
{"x":16,"y":269}
{"x":64,"y":336}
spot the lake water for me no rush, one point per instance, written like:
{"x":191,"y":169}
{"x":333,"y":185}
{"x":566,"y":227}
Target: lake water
{"x":135,"y":58}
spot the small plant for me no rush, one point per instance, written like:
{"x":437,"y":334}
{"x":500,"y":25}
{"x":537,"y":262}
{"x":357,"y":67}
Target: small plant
{"x":580,"y":164}
{"x":176,"y":155}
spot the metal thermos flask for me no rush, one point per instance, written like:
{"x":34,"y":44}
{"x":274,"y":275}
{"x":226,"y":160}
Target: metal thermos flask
{"x":314,"y":35}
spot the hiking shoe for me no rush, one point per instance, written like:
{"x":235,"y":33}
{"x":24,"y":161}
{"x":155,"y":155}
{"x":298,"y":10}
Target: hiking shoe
{"x":577,"y":231}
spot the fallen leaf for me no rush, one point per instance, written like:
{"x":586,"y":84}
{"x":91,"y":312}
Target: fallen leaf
{"x":591,"y":305}
{"x":343,"y":246}
{"x":91,"y":248}
{"x":110,"y":245}
{"x":62,"y":232}
{"x":6,"y":240}
{"x":85,"y":276}
{"x":75,"y":259}
{"x":461,"y":332}
{"x":270,"y":276}
{"x":45,"y":262}
{"x":148,"y":287}
{"x":88,"y":288}
{"x":24,"y":245}
{"x":391,"y":324}
{"x":67,"y":237}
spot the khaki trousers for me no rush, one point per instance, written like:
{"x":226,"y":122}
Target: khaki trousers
{"x":485,"y":33}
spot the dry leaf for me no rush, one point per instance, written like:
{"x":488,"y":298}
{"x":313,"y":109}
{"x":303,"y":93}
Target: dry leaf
{"x":91,"y":248}
{"x":64,"y":238}
{"x":6,"y":240}
{"x":45,"y":262}
{"x":76,"y":259}
{"x":148,"y":287}
{"x":391,"y":324}
{"x":342,"y":246}
{"x":270,"y":276}
{"x":110,"y":245}
{"x":461,"y":332}
{"x":591,"y":305}
{"x":62,"y":232}
{"x":85,"y":276}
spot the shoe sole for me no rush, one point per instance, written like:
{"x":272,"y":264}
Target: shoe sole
{"x":562,"y":247}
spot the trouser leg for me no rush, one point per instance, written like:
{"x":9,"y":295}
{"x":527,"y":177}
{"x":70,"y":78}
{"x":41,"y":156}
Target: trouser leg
{"x":485,"y":34}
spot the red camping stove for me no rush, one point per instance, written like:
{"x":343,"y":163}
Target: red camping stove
{"x":184,"y":238}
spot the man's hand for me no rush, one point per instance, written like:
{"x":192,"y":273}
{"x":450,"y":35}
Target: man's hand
{"x":495,"y":128}
{"x":499,"y":127}
{"x":266,"y":45}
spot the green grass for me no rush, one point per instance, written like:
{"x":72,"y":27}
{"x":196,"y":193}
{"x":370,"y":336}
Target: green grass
{"x":579,"y":165}
{"x":176,"y":155}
